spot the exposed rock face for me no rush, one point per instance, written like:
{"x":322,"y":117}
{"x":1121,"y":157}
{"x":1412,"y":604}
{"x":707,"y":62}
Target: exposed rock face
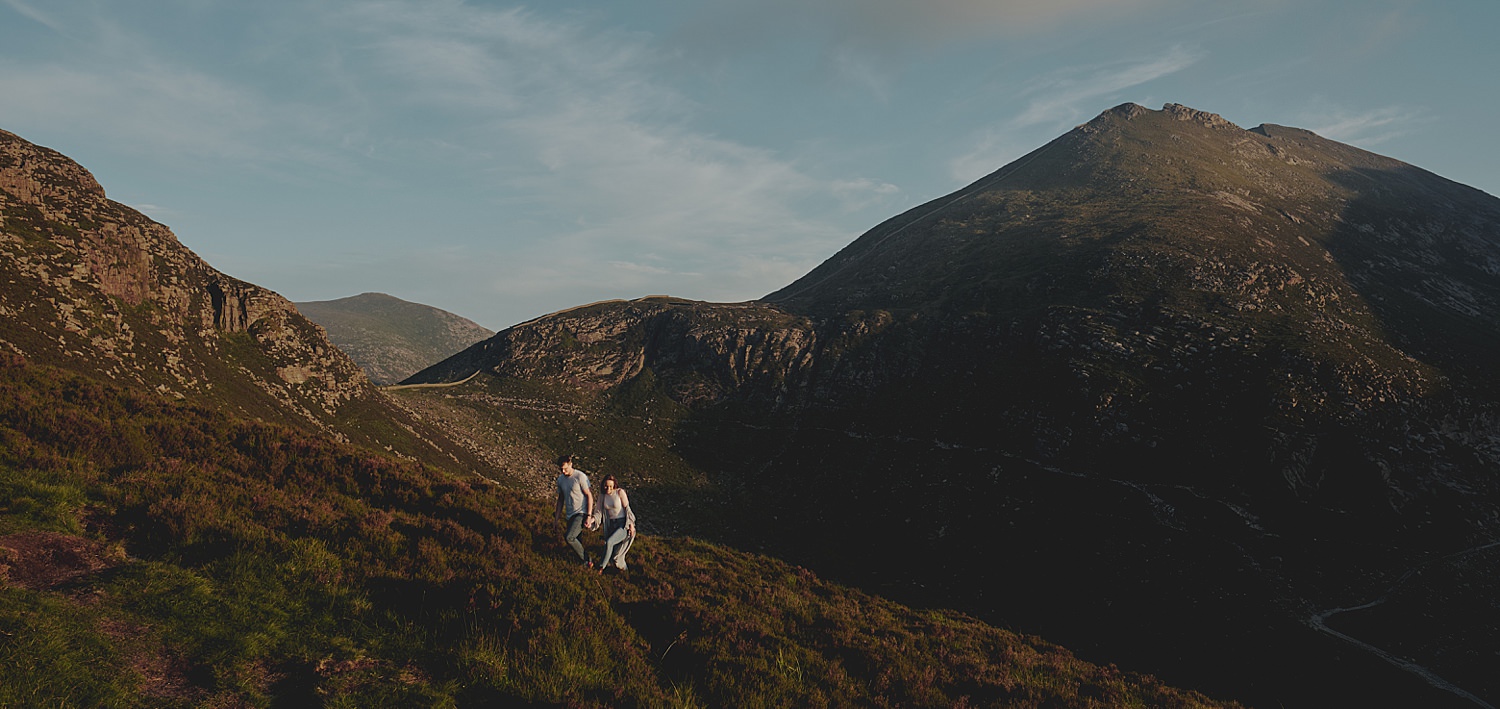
{"x":1163,"y":387}
{"x":389,"y":338}
{"x":710,"y":350}
{"x":93,"y":285}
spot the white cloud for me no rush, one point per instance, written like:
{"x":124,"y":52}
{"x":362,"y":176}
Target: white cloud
{"x":600,"y":179}
{"x":150,"y":109}
{"x":642,"y":269}
{"x":33,"y":14}
{"x":994,"y":148}
{"x":617,"y":169}
{"x":1071,"y":96}
{"x":1368,"y":128}
{"x":862,"y":192}
{"x":858,"y":69}
{"x":869,"y":45}
{"x":899,"y":25}
{"x":563,"y":126}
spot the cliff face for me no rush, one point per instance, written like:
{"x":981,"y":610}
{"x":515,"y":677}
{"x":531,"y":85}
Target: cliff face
{"x":709,"y":351}
{"x":94,"y":286}
{"x":1164,"y":388}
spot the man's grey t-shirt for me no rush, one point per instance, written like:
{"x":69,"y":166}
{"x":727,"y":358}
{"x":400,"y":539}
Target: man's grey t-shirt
{"x":572,"y":489}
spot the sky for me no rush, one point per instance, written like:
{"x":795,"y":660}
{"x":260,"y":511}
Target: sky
{"x":504,"y":161}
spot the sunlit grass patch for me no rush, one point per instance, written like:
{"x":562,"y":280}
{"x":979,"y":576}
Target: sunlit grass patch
{"x":40,"y":500}
{"x":52,"y":655}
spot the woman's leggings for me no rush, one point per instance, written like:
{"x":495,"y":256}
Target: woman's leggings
{"x":616,"y":543}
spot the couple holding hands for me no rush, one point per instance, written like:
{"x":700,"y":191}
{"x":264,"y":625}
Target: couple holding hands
{"x":579,"y":510}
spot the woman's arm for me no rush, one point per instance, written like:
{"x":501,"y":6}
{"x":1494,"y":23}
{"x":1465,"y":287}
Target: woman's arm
{"x":629,"y":513}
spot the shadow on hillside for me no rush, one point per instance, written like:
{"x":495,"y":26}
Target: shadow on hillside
{"x":1423,"y":253}
{"x":1212,"y":586}
{"x":1154,"y":581}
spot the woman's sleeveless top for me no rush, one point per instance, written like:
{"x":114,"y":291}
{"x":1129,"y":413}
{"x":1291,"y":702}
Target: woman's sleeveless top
{"x":613,"y":507}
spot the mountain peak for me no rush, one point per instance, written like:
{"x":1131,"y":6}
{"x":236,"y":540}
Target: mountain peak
{"x":1141,"y":206}
{"x":1183,"y":113}
{"x":1175,"y":111}
{"x":36,"y":175}
{"x":390,"y":338}
{"x":1127,"y":111}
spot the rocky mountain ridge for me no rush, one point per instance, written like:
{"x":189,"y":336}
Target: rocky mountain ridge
{"x":97,"y":287}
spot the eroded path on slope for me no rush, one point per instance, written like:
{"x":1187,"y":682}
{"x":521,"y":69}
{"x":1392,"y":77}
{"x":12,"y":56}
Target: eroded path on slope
{"x":1319,"y":621}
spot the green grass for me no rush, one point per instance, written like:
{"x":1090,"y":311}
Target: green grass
{"x":34,"y":500}
{"x":53,"y":655}
{"x":265,"y":566}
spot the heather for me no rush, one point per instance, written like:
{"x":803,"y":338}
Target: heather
{"x":156,"y":553}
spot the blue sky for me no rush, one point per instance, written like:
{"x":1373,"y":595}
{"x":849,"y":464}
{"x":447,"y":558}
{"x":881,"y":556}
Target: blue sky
{"x":503,"y":161}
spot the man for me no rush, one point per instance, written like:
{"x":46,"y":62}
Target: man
{"x":575,"y":505}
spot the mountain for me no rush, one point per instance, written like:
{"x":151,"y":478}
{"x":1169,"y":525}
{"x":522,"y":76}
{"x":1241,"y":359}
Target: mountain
{"x":93,"y":286}
{"x":389,"y":338}
{"x":203,"y":503}
{"x":1212,"y":403}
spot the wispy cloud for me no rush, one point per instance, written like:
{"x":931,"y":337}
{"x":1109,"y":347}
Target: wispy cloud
{"x":1072,"y":95}
{"x":1365,"y":128}
{"x":868,"y":44}
{"x":1061,"y":100}
{"x":33,"y":14}
{"x":156,"y":109}
{"x":899,"y":25}
{"x":117,"y":83}
{"x":618,"y":169}
{"x":857,"y":69}
{"x":562,"y":126}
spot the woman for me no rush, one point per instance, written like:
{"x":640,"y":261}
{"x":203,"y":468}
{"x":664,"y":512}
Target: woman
{"x":619,"y":524}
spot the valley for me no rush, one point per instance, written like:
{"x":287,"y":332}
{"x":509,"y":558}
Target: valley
{"x":1196,"y":402}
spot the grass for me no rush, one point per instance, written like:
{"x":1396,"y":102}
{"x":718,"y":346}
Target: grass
{"x":265,"y":566}
{"x":53,"y":655}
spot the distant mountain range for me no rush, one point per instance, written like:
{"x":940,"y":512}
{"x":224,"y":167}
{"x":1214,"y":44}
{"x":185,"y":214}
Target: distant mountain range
{"x":203,"y":502}
{"x":389,"y":338}
{"x":1213,"y":403}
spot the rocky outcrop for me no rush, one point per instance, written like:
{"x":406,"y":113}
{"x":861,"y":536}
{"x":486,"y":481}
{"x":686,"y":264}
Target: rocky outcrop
{"x":707,"y":351}
{"x":1180,"y":112}
{"x":95,"y":286}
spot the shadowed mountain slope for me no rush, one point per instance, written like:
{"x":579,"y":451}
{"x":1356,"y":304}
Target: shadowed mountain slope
{"x":389,"y":338}
{"x":1162,"y":385}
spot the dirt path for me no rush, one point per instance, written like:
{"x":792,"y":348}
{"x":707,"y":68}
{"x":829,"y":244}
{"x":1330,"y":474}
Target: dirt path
{"x":1319,"y":621}
{"x":397,"y":387}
